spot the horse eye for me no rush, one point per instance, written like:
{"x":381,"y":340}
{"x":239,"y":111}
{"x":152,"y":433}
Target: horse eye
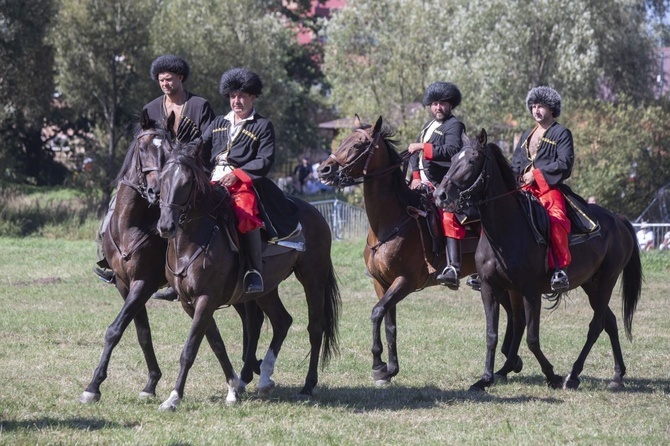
{"x":157,"y":142}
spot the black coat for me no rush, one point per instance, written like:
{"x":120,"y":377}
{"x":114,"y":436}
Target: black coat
{"x":446,"y":141}
{"x":196,"y":116}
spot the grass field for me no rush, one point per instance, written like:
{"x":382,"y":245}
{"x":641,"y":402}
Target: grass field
{"x":55,"y":313}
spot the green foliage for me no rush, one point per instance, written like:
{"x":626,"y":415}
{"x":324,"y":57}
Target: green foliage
{"x":621,"y":152}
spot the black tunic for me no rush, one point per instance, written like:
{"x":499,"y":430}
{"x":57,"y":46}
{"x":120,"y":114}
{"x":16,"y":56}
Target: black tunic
{"x":447,"y":142}
{"x":195,"y":117}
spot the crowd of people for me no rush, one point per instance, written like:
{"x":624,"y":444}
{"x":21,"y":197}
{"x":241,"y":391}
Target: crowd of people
{"x":646,"y":239}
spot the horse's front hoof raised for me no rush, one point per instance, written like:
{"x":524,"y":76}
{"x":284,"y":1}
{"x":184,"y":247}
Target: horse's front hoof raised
{"x":518,"y":367}
{"x":89,"y":397}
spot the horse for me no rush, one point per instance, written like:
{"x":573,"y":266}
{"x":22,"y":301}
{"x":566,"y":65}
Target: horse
{"x":203,"y":265}
{"x":510,"y":259}
{"x":136,"y":254}
{"x":398,"y":253}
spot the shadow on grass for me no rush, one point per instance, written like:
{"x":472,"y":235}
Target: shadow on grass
{"x":83,"y":424}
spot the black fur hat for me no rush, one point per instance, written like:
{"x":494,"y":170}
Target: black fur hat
{"x":442,"y":91}
{"x":169,"y":63}
{"x":546,"y":96}
{"x":240,"y":79}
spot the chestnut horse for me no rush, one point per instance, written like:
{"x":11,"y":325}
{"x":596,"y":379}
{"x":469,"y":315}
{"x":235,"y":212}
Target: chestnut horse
{"x":398,"y":252}
{"x":136,"y":254}
{"x":509,"y":259}
{"x":203,"y":265}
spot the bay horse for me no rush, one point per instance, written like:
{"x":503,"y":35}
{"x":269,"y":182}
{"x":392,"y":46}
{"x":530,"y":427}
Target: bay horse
{"x":203,"y":265}
{"x":136,"y":253}
{"x":398,"y":253}
{"x":510,"y":259}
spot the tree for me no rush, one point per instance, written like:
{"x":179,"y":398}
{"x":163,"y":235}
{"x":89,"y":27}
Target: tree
{"x":102,"y":46}
{"x":27,"y":86}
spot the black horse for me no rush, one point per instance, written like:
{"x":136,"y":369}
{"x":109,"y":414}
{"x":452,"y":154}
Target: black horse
{"x":510,"y":259}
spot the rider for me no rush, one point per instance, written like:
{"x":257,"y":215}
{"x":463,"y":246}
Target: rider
{"x":193,"y":115}
{"x":240,"y":149}
{"x":439,"y":140}
{"x":543,"y":159}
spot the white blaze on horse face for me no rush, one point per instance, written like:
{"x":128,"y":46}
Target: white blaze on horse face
{"x":157,"y":142}
{"x":461,"y":155}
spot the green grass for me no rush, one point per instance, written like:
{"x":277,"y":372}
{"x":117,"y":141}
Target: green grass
{"x":55,"y":313}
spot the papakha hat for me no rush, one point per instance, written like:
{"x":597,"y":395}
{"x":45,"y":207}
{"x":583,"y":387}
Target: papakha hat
{"x":442,"y":91}
{"x":546,"y":96}
{"x":169,"y":63}
{"x":240,"y":79}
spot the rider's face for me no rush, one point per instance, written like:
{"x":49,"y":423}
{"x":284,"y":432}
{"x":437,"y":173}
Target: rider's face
{"x":170,"y":83}
{"x":541,"y":113}
{"x":440,"y":110}
{"x":241,"y":103}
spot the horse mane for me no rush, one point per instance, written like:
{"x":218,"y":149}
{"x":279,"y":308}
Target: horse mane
{"x":400,"y":188}
{"x":504,"y":167}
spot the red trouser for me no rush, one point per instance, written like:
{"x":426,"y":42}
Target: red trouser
{"x":559,"y":224}
{"x":245,"y":206}
{"x":452,"y":227}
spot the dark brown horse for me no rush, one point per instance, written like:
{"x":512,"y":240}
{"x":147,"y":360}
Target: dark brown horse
{"x":510,"y":259}
{"x":136,"y":253}
{"x":398,"y":253}
{"x":203,"y":265}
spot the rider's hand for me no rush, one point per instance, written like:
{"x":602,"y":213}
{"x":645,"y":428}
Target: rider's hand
{"x":228,"y":180}
{"x":415,"y":147}
{"x":415,"y":184}
{"x":528,"y":177}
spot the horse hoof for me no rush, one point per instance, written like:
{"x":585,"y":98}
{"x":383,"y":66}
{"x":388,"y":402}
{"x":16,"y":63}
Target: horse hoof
{"x":381,"y":374}
{"x":301,"y":396}
{"x":615,"y":386}
{"x":477,"y":388}
{"x":571,"y":384}
{"x":519,"y":365}
{"x":266,"y":391}
{"x":556,"y":382}
{"x":167,"y":408}
{"x":147,"y":395}
{"x":382,"y":382}
{"x":89,"y":397}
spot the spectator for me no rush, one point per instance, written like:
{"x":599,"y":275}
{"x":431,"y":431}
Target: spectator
{"x":645,"y":237}
{"x":592,"y":200}
{"x":665,"y":244}
{"x":300,"y":173}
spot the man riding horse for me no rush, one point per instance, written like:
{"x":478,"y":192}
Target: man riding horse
{"x":439,"y":140}
{"x":543,"y":159}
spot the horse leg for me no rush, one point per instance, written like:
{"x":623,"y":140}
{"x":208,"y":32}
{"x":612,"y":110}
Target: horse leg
{"x":492,"y":314}
{"x":202,"y":317}
{"x":399,"y":289}
{"x":514,"y":329}
{"x":600,"y":309}
{"x":133,"y":307}
{"x":619,"y":366}
{"x":281,"y":321}
{"x":533,"y":306}
{"x":252,"y":321}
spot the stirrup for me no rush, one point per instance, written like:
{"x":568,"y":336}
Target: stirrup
{"x":252,"y":282}
{"x":449,"y":277}
{"x":104,"y":274}
{"x":474,"y":282}
{"x":559,"y":281}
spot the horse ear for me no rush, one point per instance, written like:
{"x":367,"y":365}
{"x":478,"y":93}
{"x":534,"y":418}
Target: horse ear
{"x":357,"y":122}
{"x":170,"y":124}
{"x":378,"y":126}
{"x":465,"y":140}
{"x":145,"y":122}
{"x":482,"y":137}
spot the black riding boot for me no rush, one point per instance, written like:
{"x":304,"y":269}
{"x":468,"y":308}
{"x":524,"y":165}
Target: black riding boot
{"x":253,"y":280}
{"x":449,"y":275}
{"x":167,"y":294}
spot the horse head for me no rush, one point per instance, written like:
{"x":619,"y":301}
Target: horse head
{"x":465,"y":180}
{"x":182,"y":181}
{"x":349,"y":164}
{"x":153,"y":144}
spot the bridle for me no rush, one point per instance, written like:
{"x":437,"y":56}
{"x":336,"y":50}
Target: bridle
{"x":140,"y":170}
{"x":184,"y":208}
{"x":343,"y":176}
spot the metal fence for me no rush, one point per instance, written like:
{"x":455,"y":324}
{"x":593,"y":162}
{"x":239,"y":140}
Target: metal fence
{"x":346,"y":222}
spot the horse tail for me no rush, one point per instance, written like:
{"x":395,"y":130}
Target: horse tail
{"x":331,"y":317}
{"x":631,"y":286}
